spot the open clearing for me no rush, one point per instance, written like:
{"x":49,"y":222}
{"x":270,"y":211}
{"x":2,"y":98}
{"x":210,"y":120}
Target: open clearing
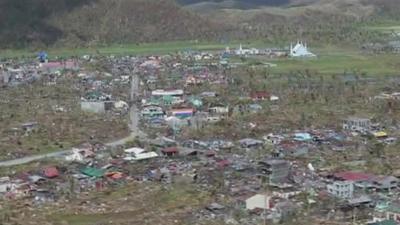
{"x":330,"y":60}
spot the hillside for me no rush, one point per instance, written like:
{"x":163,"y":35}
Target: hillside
{"x":65,"y":22}
{"x":26,"y":23}
{"x":327,"y":21}
{"x":132,"y":21}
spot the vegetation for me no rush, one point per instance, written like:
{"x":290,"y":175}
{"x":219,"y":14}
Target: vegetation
{"x":63,"y":23}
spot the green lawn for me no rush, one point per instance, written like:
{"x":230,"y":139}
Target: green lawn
{"x":333,"y":60}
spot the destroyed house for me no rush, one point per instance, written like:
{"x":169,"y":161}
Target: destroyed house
{"x":370,"y":181}
{"x":30,"y":127}
{"x":357,"y":124}
{"x":293,"y":149}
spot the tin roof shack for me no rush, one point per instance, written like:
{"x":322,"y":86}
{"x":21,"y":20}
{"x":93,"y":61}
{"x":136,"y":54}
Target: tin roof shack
{"x":260,"y":95}
{"x":30,"y":127}
{"x":43,"y":196}
{"x":341,"y":189}
{"x":384,"y":182}
{"x":356,"y":124}
{"x":277,"y":170}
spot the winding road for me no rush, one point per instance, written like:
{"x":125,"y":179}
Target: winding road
{"x":133,"y":126}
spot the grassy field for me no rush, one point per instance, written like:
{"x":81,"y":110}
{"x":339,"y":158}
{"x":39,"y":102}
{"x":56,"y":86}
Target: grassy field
{"x":335,"y":60}
{"x":330,"y":60}
{"x":330,"y":64}
{"x":133,"y":49}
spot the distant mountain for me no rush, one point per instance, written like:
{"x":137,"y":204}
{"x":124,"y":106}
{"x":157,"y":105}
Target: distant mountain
{"x":95,"y":22}
{"x":243,"y":4}
{"x":82,"y":22}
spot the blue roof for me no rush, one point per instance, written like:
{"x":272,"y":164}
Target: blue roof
{"x":302,"y":137}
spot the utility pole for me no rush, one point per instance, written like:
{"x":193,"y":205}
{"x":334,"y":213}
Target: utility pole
{"x":134,"y":85}
{"x":266,"y":199}
{"x":134,"y":97}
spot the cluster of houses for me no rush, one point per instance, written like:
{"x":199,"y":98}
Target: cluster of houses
{"x":270,"y":177}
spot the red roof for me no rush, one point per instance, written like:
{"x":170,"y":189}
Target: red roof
{"x":51,"y":172}
{"x":223,"y":163}
{"x":259,"y":95}
{"x":353,"y":176}
{"x":170,"y":150}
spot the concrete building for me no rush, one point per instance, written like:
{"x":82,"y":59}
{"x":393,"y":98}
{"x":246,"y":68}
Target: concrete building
{"x":341,"y":189}
{"x":277,"y":170}
{"x":96,"y":106}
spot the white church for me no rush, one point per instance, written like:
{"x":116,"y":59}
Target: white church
{"x":245,"y":51}
{"x":300,"y":50}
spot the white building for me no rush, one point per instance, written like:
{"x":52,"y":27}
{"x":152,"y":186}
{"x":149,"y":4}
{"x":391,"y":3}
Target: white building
{"x":341,"y":189}
{"x":258,"y":201}
{"x":245,"y":51}
{"x":300,"y":50}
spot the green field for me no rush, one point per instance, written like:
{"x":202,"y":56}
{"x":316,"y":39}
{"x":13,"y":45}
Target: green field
{"x":125,"y":49}
{"x":330,"y":60}
{"x":336,"y":60}
{"x":327,"y":63}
